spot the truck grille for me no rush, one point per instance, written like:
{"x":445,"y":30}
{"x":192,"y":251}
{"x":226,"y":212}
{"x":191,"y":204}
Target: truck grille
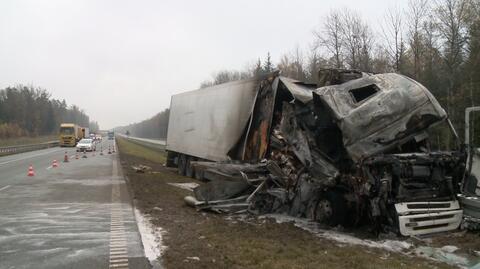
{"x":427,"y":205}
{"x":428,"y":217}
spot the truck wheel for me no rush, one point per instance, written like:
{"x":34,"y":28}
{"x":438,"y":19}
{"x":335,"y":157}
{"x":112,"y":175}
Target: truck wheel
{"x":170,"y":159}
{"x":199,"y":175}
{"x":189,"y":171}
{"x":332,"y":210}
{"x":182,"y":164}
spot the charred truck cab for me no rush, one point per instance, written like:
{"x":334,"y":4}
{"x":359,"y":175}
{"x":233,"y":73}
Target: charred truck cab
{"x":384,"y":121}
{"x":353,"y":149}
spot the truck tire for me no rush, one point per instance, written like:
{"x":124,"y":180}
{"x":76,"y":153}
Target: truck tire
{"x":332,"y":210}
{"x":182,"y":161}
{"x":339,"y":209}
{"x":199,"y":175}
{"x":189,"y":171}
{"x":170,"y":159}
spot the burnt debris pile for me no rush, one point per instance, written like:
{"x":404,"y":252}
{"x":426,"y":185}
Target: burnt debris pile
{"x":353,"y":149}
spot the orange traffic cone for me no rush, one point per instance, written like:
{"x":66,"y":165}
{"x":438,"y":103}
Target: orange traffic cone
{"x":31,"y":173}
{"x":65,"y":159}
{"x":55,"y":163}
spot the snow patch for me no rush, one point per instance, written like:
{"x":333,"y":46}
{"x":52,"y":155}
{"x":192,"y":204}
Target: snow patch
{"x":186,"y":186}
{"x":449,"y":249}
{"x":151,"y":236}
{"x":342,"y":238}
{"x":444,"y":254}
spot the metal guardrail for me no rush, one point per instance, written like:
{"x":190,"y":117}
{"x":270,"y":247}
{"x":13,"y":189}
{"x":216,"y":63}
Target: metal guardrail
{"x":24,"y":148}
{"x":159,"y":144}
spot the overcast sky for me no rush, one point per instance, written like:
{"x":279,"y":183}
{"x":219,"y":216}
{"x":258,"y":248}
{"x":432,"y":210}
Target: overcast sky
{"x":122,"y":60}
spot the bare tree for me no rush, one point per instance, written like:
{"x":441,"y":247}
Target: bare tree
{"x":330,"y":37}
{"x":393,"y":34}
{"x":314,"y":63}
{"x":357,"y":39}
{"x":452,"y":24}
{"x":380,"y":60}
{"x":452,"y":16}
{"x":416,"y":14}
{"x":292,"y":65}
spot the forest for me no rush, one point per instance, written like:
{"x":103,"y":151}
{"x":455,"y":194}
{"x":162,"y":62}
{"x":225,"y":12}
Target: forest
{"x":434,"y":42}
{"x":154,"y":127}
{"x":30,"y":111}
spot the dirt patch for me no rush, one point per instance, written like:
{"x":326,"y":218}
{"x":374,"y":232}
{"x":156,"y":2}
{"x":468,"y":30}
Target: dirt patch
{"x":206,"y":240}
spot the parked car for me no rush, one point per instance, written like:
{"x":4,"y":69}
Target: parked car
{"x":86,"y":144}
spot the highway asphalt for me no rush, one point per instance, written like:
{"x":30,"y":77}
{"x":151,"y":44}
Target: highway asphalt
{"x":76,"y":215}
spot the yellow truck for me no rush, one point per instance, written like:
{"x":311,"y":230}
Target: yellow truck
{"x":70,"y":134}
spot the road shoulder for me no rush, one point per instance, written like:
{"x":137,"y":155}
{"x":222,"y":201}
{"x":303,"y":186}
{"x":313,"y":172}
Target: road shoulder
{"x":206,"y":240}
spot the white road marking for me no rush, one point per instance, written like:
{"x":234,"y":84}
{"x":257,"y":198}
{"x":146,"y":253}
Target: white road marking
{"x":118,"y":252}
{"x":120,"y":265}
{"x":118,"y":242}
{"x":118,"y":260}
{"x":29,"y":157}
{"x":117,"y":236}
{"x":4,"y":188}
{"x":48,"y":168}
{"x":118,"y":256}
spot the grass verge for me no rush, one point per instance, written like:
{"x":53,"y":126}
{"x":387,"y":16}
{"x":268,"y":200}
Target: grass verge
{"x":221,"y":241}
{"x":134,"y":149}
{"x":26,"y":140}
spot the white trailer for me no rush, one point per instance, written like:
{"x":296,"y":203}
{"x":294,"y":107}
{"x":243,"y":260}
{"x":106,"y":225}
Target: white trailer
{"x":206,"y":123}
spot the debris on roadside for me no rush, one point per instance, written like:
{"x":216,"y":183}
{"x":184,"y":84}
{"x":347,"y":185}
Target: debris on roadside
{"x":196,"y":259}
{"x":141,"y":168}
{"x":186,"y":186}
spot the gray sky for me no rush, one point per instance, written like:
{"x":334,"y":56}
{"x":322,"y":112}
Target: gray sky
{"x":122,"y":60}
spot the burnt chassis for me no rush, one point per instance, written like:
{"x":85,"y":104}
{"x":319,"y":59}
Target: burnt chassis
{"x":404,"y":193}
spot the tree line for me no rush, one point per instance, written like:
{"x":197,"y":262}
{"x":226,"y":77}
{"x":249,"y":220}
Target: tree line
{"x":30,"y":111}
{"x":154,"y":127}
{"x":434,"y":42}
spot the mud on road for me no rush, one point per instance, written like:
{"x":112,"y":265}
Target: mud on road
{"x":206,"y":240}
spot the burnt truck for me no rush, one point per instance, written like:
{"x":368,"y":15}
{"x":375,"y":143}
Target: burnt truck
{"x":354,"y":149}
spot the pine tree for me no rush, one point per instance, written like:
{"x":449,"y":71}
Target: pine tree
{"x":268,"y":66}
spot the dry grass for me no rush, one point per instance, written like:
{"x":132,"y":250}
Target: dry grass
{"x":222,"y":243}
{"x":140,"y":151}
{"x":27,"y":140}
